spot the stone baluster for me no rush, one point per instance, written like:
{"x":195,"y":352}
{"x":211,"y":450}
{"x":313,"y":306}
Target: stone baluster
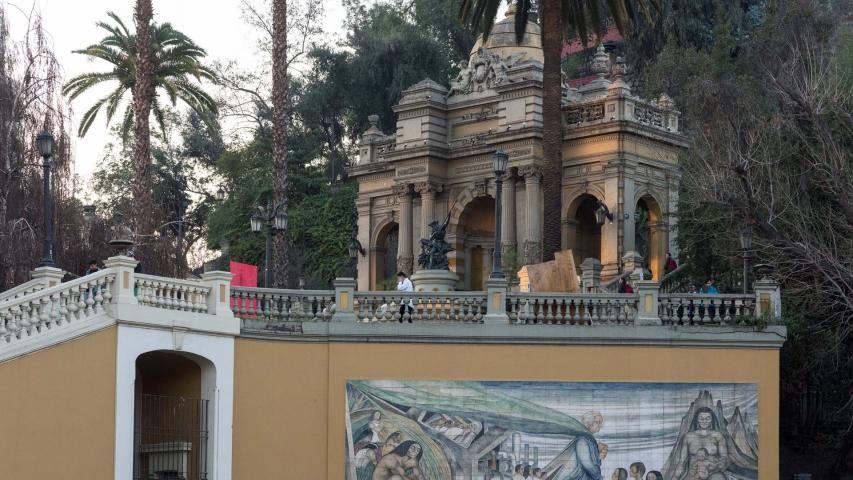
{"x":344,"y":299}
{"x":768,"y":300}
{"x":405,"y":259}
{"x":648,"y":306}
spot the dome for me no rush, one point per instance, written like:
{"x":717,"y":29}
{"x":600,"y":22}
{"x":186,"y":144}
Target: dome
{"x":502,"y":39}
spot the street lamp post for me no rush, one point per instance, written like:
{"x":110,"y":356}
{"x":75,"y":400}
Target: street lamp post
{"x":44,"y":142}
{"x":275,"y":219}
{"x":500,"y":159}
{"x":746,"y":245}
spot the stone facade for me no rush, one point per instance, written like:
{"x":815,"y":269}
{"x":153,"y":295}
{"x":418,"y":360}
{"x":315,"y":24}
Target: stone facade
{"x":618,"y":150}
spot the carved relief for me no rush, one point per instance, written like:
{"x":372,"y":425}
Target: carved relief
{"x":532,"y":252}
{"x":402,"y":190}
{"x":429,"y":187}
{"x":481,"y":188}
{"x":473,"y":168}
{"x":531,"y":172}
{"x":486,"y":70}
{"x":410,"y":171}
{"x":484,"y":113}
{"x":585,"y":113}
{"x":648,"y":116}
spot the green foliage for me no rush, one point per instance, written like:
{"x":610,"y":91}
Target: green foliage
{"x":177,"y":68}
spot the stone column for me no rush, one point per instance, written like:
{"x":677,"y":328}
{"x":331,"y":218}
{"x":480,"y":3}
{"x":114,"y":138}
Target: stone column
{"x":427,"y":190}
{"x":533,"y":185}
{"x":405,"y":260}
{"x":657,"y":248}
{"x":508,"y":226}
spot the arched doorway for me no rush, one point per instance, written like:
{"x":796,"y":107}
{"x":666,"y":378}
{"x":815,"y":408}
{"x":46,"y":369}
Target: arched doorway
{"x":476,"y":242}
{"x":384,"y":257}
{"x":649,"y":238}
{"x":172,"y":411}
{"x":584,"y":230}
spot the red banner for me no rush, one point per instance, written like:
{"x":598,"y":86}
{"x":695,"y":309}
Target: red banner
{"x":244,"y":275}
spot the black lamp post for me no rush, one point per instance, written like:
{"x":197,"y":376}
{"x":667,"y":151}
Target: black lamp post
{"x":746,"y":245}
{"x":275,"y":218}
{"x":44,"y":142}
{"x":500,"y":159}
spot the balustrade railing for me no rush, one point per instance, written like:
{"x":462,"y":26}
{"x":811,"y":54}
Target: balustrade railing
{"x":22,"y":290}
{"x":171,"y":293}
{"x":456,"y":307}
{"x":572,"y":308}
{"x":54,"y":307}
{"x":279,"y":306}
{"x":698,"y":309}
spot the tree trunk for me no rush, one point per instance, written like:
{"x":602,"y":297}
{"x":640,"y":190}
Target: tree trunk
{"x":552,"y":130}
{"x":143,"y":91}
{"x":279,"y":134}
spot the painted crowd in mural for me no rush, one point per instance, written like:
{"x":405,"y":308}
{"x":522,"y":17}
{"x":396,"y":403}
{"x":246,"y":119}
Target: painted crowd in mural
{"x":488,"y":430}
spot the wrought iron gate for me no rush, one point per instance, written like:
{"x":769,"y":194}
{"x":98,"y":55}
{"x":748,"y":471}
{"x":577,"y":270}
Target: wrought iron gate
{"x":170,"y":438}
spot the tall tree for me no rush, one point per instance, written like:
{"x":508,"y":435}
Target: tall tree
{"x":177,"y":65}
{"x":559,"y":19}
{"x":279,"y":133}
{"x":143,"y":95}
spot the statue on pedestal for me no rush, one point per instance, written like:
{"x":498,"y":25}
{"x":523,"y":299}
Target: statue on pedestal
{"x":434,"y":250}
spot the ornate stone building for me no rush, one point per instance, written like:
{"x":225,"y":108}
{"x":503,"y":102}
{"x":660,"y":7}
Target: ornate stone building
{"x":620,"y":152}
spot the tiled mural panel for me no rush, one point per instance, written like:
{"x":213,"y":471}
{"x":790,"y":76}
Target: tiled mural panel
{"x":448,"y":430}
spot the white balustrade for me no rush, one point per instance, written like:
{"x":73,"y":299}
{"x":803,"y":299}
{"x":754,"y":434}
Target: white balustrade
{"x":171,"y":294}
{"x":22,"y":290}
{"x":278,"y":306}
{"x":699,"y":309}
{"x":572,"y":308}
{"x":54,"y":307}
{"x":457,"y":307}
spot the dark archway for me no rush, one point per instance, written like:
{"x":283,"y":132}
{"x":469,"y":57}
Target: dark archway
{"x":171,"y":418}
{"x":584,"y":230}
{"x":476,"y":242}
{"x":384,"y":257}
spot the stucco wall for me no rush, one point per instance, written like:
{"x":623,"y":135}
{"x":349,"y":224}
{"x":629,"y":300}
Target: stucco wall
{"x":58,"y":411}
{"x":289,"y":405}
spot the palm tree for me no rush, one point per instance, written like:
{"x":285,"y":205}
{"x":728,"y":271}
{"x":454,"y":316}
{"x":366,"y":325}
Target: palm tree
{"x":176,"y":63}
{"x":557,"y":17}
{"x":279,"y":133}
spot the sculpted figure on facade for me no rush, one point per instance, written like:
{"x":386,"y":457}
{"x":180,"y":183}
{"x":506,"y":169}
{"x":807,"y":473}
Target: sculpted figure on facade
{"x":485,"y":70}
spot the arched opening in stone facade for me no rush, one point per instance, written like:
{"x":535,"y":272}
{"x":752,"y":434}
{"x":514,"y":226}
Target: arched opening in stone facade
{"x":173,"y":408}
{"x":475,"y":242}
{"x":584,"y":231}
{"x":384,"y":257}
{"x":649,"y":235}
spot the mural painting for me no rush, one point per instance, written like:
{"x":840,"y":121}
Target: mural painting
{"x":449,"y":430}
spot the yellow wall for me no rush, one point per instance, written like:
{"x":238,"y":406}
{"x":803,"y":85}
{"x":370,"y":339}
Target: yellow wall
{"x":289,"y":402}
{"x":57,"y":411}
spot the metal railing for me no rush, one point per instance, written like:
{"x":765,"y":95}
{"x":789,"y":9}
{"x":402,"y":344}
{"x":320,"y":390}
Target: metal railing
{"x":170,"y":437}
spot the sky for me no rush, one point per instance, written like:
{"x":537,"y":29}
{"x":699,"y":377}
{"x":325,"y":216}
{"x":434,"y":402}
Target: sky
{"x":216,"y":25}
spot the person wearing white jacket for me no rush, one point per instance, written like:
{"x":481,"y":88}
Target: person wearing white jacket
{"x":405,"y":285}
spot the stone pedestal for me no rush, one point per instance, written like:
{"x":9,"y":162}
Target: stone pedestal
{"x":434,"y":281}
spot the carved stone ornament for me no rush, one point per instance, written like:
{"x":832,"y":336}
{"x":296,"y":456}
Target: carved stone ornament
{"x":402,"y":189}
{"x":532,"y":252}
{"x":485,"y":70}
{"x":530,"y":172}
{"x":428,"y":187}
{"x":481,"y":188}
{"x":600,"y":64}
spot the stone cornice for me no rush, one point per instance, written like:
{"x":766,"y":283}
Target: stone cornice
{"x":614,"y":336}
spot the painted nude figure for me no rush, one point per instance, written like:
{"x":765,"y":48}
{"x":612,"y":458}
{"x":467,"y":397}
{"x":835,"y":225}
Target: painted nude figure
{"x":704,"y":449}
{"x":401,"y":464}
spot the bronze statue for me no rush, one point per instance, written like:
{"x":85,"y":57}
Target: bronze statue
{"x":435,"y":249}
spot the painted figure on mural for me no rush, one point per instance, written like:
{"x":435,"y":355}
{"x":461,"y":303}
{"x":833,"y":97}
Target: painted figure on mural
{"x":619,"y":474}
{"x":581,"y":459}
{"x":704,"y":443}
{"x":401,"y":464}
